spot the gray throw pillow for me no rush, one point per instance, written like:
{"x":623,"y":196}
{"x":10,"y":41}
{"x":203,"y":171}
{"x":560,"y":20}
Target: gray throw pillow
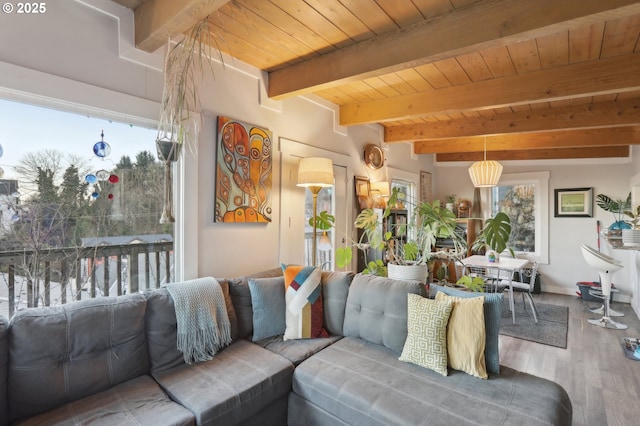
{"x":268,"y":306}
{"x":492,"y":318}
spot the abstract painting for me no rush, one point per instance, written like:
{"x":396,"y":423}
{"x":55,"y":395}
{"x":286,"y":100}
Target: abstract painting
{"x":243,"y":172}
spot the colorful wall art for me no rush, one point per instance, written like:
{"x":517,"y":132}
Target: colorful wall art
{"x":243,"y":172}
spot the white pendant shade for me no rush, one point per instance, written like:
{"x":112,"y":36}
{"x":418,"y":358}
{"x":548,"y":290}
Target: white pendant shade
{"x":315,"y":171}
{"x":485,"y":173}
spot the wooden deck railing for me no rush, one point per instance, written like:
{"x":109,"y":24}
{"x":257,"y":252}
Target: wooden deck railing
{"x":56,"y":276}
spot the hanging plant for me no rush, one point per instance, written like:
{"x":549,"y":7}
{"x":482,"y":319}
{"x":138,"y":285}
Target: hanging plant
{"x":180,"y":113}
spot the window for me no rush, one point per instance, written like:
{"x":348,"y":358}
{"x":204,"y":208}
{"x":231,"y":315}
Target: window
{"x":524,"y":198}
{"x":83,"y":215}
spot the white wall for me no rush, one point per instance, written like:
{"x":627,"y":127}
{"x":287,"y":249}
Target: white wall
{"x":234,"y":249}
{"x":79,"y":55}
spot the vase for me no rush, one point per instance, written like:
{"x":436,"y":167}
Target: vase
{"x":492,"y":256}
{"x":408,"y":272}
{"x":168,"y":150}
{"x":618,"y":225}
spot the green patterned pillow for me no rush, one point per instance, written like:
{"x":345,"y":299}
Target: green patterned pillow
{"x":426,"y":343}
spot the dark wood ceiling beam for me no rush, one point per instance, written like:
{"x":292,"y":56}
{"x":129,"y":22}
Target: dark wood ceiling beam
{"x":602,"y":114}
{"x":481,"y":25}
{"x":158,"y":20}
{"x":605,"y":76}
{"x":616,"y":151}
{"x":532,"y":141}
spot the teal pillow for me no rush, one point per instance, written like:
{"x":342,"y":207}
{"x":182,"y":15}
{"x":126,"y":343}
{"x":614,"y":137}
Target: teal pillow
{"x":267,"y":300}
{"x":492,"y":318}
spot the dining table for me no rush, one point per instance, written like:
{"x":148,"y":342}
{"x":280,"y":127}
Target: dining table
{"x":508,"y":264}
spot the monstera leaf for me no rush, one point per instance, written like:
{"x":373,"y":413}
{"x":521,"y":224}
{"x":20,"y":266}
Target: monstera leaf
{"x":368,"y":221}
{"x":495,"y":234}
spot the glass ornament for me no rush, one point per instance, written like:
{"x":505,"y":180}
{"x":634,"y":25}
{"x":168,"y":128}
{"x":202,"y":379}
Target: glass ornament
{"x":102,"y":175}
{"x":95,"y":195}
{"x":114,"y":179}
{"x":15,"y":217}
{"x":91,"y":178}
{"x":101,"y":149}
{"x":110,"y":196}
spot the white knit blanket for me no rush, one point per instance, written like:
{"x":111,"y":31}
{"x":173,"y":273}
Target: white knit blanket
{"x":202,"y":320}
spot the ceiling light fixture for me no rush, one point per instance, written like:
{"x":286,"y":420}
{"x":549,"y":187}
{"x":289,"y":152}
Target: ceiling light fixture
{"x":485,"y":173}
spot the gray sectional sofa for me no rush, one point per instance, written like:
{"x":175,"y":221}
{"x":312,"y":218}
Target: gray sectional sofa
{"x":114,"y":361}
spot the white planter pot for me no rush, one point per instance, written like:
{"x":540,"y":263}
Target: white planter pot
{"x":408,"y":272}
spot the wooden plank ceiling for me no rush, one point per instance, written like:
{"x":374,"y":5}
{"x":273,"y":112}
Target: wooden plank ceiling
{"x":539,"y":79}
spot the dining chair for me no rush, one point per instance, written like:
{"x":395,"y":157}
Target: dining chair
{"x":525,"y":288}
{"x":492,"y":276}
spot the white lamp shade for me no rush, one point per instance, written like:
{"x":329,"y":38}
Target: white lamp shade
{"x":485,"y":173}
{"x":325,"y":242}
{"x":381,"y":187}
{"x":315,"y":171}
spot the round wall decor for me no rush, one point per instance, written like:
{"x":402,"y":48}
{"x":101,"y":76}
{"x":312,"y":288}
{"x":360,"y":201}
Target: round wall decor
{"x":373,"y":156}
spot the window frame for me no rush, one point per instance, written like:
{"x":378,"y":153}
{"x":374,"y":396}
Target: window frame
{"x":541,"y":182}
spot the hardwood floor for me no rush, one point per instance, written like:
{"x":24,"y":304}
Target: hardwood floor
{"x":604,"y":386}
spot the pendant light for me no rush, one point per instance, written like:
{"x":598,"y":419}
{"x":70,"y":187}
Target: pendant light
{"x":485,"y":173}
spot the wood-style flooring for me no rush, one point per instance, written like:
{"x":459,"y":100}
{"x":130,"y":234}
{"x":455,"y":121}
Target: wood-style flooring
{"x":604,"y":386}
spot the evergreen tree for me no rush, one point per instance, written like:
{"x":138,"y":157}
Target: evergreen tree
{"x":124,"y":163}
{"x":145,"y":159}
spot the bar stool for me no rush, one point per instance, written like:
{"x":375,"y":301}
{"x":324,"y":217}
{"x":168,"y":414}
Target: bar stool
{"x":606,"y":267}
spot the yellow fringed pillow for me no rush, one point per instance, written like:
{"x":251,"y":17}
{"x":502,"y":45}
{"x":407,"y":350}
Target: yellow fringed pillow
{"x":466,"y":335}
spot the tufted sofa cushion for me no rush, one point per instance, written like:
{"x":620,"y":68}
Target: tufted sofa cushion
{"x":376,"y":310}
{"x":60,"y":354}
{"x":4,"y":359}
{"x":335,"y":288}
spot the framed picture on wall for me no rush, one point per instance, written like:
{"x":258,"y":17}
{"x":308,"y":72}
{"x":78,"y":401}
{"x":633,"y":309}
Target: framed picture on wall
{"x":574,"y":202}
{"x":243,"y":172}
{"x":363,"y":191}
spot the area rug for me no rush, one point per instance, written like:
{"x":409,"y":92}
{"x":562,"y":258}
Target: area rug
{"x":551,"y":328}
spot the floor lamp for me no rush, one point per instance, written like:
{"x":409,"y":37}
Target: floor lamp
{"x":315,"y":173}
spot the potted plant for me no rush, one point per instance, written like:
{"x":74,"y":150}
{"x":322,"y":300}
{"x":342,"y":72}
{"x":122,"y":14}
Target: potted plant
{"x":178,"y":123}
{"x":494,"y":237}
{"x":493,"y":240}
{"x":617,"y":208}
{"x":450,"y":202}
{"x":613,"y":233}
{"x":410,"y":258}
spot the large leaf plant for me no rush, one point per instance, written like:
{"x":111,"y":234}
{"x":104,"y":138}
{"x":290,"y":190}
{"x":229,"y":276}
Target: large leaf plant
{"x":430,"y":222}
{"x":495,"y":234}
{"x":618,"y":208}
